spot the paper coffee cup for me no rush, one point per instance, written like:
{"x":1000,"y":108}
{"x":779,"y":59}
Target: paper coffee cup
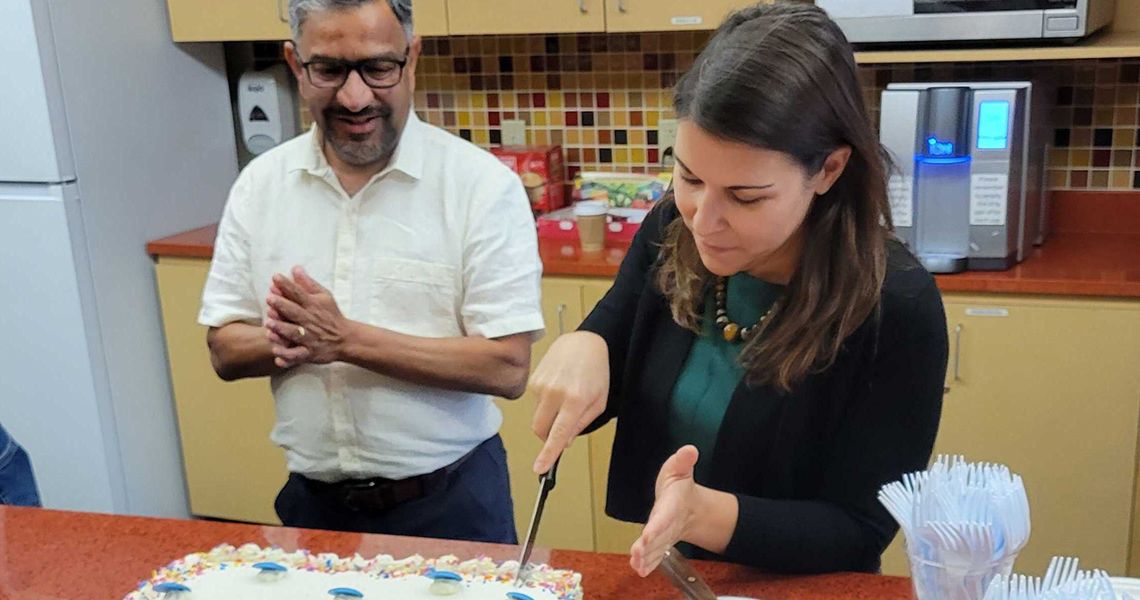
{"x":591,"y":218}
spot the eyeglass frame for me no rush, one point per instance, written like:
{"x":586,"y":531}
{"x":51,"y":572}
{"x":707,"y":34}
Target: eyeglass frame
{"x":355,"y":66}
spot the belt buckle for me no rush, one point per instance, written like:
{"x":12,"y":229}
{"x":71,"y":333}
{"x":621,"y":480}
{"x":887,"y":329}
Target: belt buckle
{"x":359,"y":497}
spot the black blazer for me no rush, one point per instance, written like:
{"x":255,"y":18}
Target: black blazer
{"x":805,"y":466}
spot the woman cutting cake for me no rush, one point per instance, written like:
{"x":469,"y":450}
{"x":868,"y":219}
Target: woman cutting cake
{"x":771,"y":354}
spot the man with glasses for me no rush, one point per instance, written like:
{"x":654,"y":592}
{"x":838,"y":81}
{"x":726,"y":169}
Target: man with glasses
{"x":384,"y":274}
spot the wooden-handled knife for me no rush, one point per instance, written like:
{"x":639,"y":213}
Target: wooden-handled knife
{"x":684,"y":577}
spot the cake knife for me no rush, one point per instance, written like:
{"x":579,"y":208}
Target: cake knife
{"x":545,"y":484}
{"x":684,"y":577}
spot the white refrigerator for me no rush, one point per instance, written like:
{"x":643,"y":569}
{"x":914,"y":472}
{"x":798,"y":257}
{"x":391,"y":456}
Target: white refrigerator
{"x":110,"y":135}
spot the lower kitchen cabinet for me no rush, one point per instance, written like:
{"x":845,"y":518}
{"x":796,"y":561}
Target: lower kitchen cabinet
{"x":232,"y":469}
{"x":1049,"y":386}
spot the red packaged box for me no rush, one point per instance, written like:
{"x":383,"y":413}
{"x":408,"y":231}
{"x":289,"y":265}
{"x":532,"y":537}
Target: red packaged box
{"x":621,"y":224}
{"x":543,"y":173}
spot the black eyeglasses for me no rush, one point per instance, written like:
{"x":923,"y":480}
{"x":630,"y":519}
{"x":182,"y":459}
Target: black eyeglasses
{"x":377,"y":73}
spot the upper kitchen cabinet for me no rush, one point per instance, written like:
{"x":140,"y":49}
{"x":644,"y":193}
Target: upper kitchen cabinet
{"x":470,"y":17}
{"x":430,"y":17}
{"x":668,"y":15}
{"x":245,"y":20}
{"x":229,"y":20}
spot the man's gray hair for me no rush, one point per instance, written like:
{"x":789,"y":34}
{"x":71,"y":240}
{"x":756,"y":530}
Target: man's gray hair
{"x":299,"y":11}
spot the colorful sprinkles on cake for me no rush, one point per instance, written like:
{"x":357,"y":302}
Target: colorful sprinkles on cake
{"x":564,"y":585}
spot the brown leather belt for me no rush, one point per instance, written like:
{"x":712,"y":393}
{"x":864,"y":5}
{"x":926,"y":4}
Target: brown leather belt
{"x":378,"y":493}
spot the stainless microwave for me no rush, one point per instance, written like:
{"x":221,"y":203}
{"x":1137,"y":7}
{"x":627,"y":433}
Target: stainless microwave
{"x":917,"y":21}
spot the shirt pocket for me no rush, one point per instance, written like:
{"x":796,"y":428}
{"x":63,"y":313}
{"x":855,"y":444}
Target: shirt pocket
{"x":415,"y":297}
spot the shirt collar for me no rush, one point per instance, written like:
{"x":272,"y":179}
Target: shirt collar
{"x":407,"y":159}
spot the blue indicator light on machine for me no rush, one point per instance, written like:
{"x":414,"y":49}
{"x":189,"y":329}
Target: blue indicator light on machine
{"x":937,"y":147}
{"x":993,"y":125}
{"x":939,"y":160}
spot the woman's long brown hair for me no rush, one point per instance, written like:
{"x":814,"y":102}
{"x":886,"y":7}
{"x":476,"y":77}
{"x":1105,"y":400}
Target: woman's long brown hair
{"x":782,"y":77}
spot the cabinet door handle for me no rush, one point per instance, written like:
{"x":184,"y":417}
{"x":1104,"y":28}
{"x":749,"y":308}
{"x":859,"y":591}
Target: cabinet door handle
{"x":561,"y":321}
{"x":958,"y":352}
{"x":283,"y":10}
{"x":582,"y":6}
{"x":957,"y":367}
{"x":621,"y":6}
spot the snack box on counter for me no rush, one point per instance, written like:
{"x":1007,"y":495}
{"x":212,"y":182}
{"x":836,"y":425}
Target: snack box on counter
{"x":543,"y":173}
{"x":622,"y":190}
{"x":621,"y":224}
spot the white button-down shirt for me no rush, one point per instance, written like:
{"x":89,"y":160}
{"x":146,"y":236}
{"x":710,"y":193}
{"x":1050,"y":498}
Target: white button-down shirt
{"x":441,"y":243}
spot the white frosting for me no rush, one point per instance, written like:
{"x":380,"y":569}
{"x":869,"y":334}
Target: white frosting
{"x":228,"y":573}
{"x":243,"y":583}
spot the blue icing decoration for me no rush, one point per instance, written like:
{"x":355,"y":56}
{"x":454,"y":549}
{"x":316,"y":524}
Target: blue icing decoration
{"x":444,"y":575}
{"x":269,"y":566}
{"x":518,"y":596}
{"x":166,"y":588}
{"x":346,"y":592}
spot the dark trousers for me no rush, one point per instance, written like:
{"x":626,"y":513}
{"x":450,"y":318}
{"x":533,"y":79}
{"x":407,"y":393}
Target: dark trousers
{"x":17,"y":483}
{"x":471,"y":502}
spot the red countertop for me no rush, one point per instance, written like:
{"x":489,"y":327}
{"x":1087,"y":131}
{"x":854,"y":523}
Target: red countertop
{"x":55,"y":555}
{"x":1094,"y":250}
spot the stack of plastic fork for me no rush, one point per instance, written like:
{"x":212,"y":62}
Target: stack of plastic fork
{"x":964,"y":525}
{"x":1062,"y":581}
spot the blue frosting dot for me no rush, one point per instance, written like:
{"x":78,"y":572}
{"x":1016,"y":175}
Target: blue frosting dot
{"x":346,"y":592}
{"x":270,"y":566}
{"x":444,"y":575}
{"x":518,"y":596}
{"x":166,"y":588}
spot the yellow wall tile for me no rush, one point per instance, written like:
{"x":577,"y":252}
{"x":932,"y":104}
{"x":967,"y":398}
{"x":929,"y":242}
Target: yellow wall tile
{"x":1080,"y":157}
{"x":1124,"y":138}
{"x":620,"y":119}
{"x":1058,"y":157}
{"x":590,"y":137}
{"x":481,"y":137}
{"x":1121,"y":178}
{"x":464,"y":118}
{"x":1102,"y":117}
{"x":652,"y":117}
{"x":479,"y":119}
{"x":541,"y":138}
{"x":637,"y":156}
{"x":573,"y":136}
{"x":538,"y":118}
{"x":621,"y":156}
{"x":554,"y":99}
{"x":637,"y":137}
{"x":619,"y":99}
{"x":1058,"y":178}
{"x":479,"y":100}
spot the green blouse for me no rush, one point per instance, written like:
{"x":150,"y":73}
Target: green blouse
{"x":712,"y":370}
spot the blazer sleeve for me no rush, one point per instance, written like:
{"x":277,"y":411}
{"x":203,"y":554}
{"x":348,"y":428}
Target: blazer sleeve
{"x":615,"y":315}
{"x":888,"y":431}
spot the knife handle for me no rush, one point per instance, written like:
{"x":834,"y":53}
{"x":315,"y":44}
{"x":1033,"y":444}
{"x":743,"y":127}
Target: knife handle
{"x":550,"y":478}
{"x":684,"y":577}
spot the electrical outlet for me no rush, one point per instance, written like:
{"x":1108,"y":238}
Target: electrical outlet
{"x":514,"y":132}
{"x":666,"y":139}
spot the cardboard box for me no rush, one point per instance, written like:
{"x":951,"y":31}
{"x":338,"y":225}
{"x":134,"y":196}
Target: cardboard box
{"x":543,"y":173}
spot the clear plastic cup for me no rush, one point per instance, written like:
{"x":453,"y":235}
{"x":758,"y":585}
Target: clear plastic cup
{"x":948,"y":581}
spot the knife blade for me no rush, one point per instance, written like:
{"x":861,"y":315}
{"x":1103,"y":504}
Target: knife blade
{"x":546,"y":483}
{"x":684,"y":577}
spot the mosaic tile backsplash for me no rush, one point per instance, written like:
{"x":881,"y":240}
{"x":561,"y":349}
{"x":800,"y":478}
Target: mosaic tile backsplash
{"x":601,"y":96}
